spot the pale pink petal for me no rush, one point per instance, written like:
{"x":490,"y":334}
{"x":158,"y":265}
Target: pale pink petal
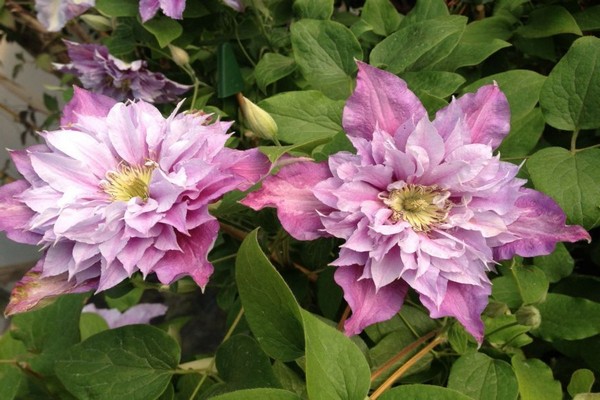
{"x":381,"y":100}
{"x":16,"y":215}
{"x":85,"y":103}
{"x":368,"y":305}
{"x":138,"y":314}
{"x":290,"y":190}
{"x":131,"y":147}
{"x":148,"y":9}
{"x":173,"y":8}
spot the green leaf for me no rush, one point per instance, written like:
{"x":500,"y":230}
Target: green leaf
{"x":382,"y":16}
{"x":90,"y":324}
{"x":526,"y":284}
{"x":568,"y":318}
{"x":424,"y":10}
{"x":572,"y":179}
{"x":259,"y":394}
{"x":339,"y":142}
{"x":335,"y":366}
{"x":271,"y":68}
{"x":132,"y":362}
{"x":557,"y":265}
{"x":524,"y":135}
{"x":576,"y":285}
{"x":121,"y":43}
{"x":118,"y":8}
{"x":482,"y":377}
{"x":123,"y":300}
{"x":436,"y":83}
{"x":325,"y":52}
{"x":289,"y":379}
{"x":504,"y":331}
{"x":420,"y":45}
{"x":588,"y":19}
{"x":521,"y":87}
{"x":460,"y":340}
{"x":316,"y":9}
{"x":423,"y":392}
{"x":535,"y":380}
{"x":243,"y":365}
{"x":304,"y":116}
{"x":164,"y":29}
{"x":275,"y":152}
{"x":549,"y":21}
{"x":269,"y":305}
{"x":10,"y":375}
{"x":582,"y":381}
{"x":570,"y":97}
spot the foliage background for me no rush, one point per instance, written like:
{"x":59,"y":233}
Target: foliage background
{"x":296,"y":59}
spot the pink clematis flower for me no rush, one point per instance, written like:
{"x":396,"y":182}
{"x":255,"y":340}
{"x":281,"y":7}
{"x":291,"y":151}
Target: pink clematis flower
{"x":54,"y":14}
{"x":121,"y":189}
{"x":171,"y":8}
{"x":422,"y":204}
{"x":138,"y":314}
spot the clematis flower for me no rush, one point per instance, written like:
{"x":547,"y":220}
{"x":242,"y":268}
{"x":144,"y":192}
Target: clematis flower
{"x":171,"y":8}
{"x":422,"y":204}
{"x":102,"y":73}
{"x":138,"y":314}
{"x":54,"y":14}
{"x":117,"y":190}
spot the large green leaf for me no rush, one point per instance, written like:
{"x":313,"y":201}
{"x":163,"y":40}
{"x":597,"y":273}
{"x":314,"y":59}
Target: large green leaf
{"x":269,"y":305}
{"x":10,"y":375}
{"x":572,"y":179}
{"x":420,"y":45}
{"x":570,"y":97}
{"x":424,"y":10}
{"x":568,"y":318}
{"x":271,"y":68}
{"x":382,"y":16}
{"x":557,"y":265}
{"x":423,"y":392}
{"x":525,"y":284}
{"x":118,"y":8}
{"x":524,"y":135}
{"x":164,"y":29}
{"x":436,"y":83}
{"x":484,"y":378}
{"x":259,"y":394}
{"x":134,"y":362}
{"x":535,"y":380}
{"x":304,"y":116}
{"x":317,"y":9}
{"x":335,"y":366}
{"x":548,"y":21}
{"x":325,"y":52}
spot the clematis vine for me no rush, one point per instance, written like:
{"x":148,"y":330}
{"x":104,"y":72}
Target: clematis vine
{"x":102,"y":73}
{"x":54,"y":14}
{"x":117,"y":190}
{"x":422,"y":204}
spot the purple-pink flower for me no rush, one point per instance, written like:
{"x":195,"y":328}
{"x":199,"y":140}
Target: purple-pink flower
{"x":422,"y":204}
{"x":117,"y":190}
{"x":171,"y":8}
{"x":138,"y":314}
{"x":54,"y":14}
{"x":102,"y":73}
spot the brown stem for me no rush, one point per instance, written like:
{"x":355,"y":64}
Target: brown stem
{"x":403,"y":353}
{"x":340,"y":325}
{"x":406,"y":366}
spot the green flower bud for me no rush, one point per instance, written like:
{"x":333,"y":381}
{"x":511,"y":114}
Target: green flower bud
{"x":180,"y":56}
{"x":97,"y":22}
{"x":529,"y":316}
{"x":258,"y":120}
{"x":496,"y":309}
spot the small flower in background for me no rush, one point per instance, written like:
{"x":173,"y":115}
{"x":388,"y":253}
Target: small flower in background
{"x":120,"y":189}
{"x":237,"y":5}
{"x":54,"y":14}
{"x":171,"y":8}
{"x":102,"y":73}
{"x":422,"y":204}
{"x":139,"y":314}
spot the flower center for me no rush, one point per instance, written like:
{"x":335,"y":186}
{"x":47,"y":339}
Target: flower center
{"x":129,"y":182}
{"x":422,"y":207}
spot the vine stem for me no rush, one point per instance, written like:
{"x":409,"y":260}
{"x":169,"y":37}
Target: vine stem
{"x":406,"y":366}
{"x":574,"y":141}
{"x":343,"y":319}
{"x":403,"y":353}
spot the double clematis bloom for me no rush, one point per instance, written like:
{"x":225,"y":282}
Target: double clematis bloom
{"x":102,"y":73}
{"x":120,"y":189}
{"x":54,"y":14}
{"x":422,"y":204}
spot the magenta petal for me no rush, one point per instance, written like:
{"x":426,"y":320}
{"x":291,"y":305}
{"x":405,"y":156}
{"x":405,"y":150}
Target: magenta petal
{"x":382,"y":100}
{"x":148,"y":9}
{"x":465,"y":303}
{"x":291,"y":192}
{"x":85,"y":103}
{"x":486,"y":112}
{"x":173,"y":8}
{"x":33,"y":291}
{"x":541,"y":224}
{"x":368,"y":305}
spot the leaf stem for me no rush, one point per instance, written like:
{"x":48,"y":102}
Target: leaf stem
{"x":574,"y":141}
{"x":406,"y":366}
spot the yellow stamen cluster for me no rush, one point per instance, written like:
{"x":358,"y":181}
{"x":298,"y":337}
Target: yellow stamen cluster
{"x":128,"y":182}
{"x":423,"y":207}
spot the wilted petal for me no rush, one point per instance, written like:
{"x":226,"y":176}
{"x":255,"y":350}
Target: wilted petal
{"x":290,"y":192}
{"x":381,"y":100}
{"x":368,"y":305}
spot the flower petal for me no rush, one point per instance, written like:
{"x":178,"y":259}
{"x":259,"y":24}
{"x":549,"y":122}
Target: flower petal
{"x":85,"y":103}
{"x":173,"y":8}
{"x":148,"y":9}
{"x":15,"y":214}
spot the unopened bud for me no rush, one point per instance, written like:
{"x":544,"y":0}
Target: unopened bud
{"x":258,"y":120}
{"x":529,"y":316}
{"x":97,"y":22}
{"x":496,"y":309}
{"x":180,"y":56}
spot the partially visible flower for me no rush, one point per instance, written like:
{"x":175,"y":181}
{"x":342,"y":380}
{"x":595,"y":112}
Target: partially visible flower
{"x":422,"y":204}
{"x":54,"y":14}
{"x":139,"y":314}
{"x":120,"y":189}
{"x":102,"y":73}
{"x":237,"y":5}
{"x":171,"y":8}
{"x":258,"y":120}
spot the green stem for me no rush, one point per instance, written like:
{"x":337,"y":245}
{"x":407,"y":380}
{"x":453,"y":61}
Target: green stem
{"x":409,"y":326}
{"x":574,"y":140}
{"x":589,"y":147}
